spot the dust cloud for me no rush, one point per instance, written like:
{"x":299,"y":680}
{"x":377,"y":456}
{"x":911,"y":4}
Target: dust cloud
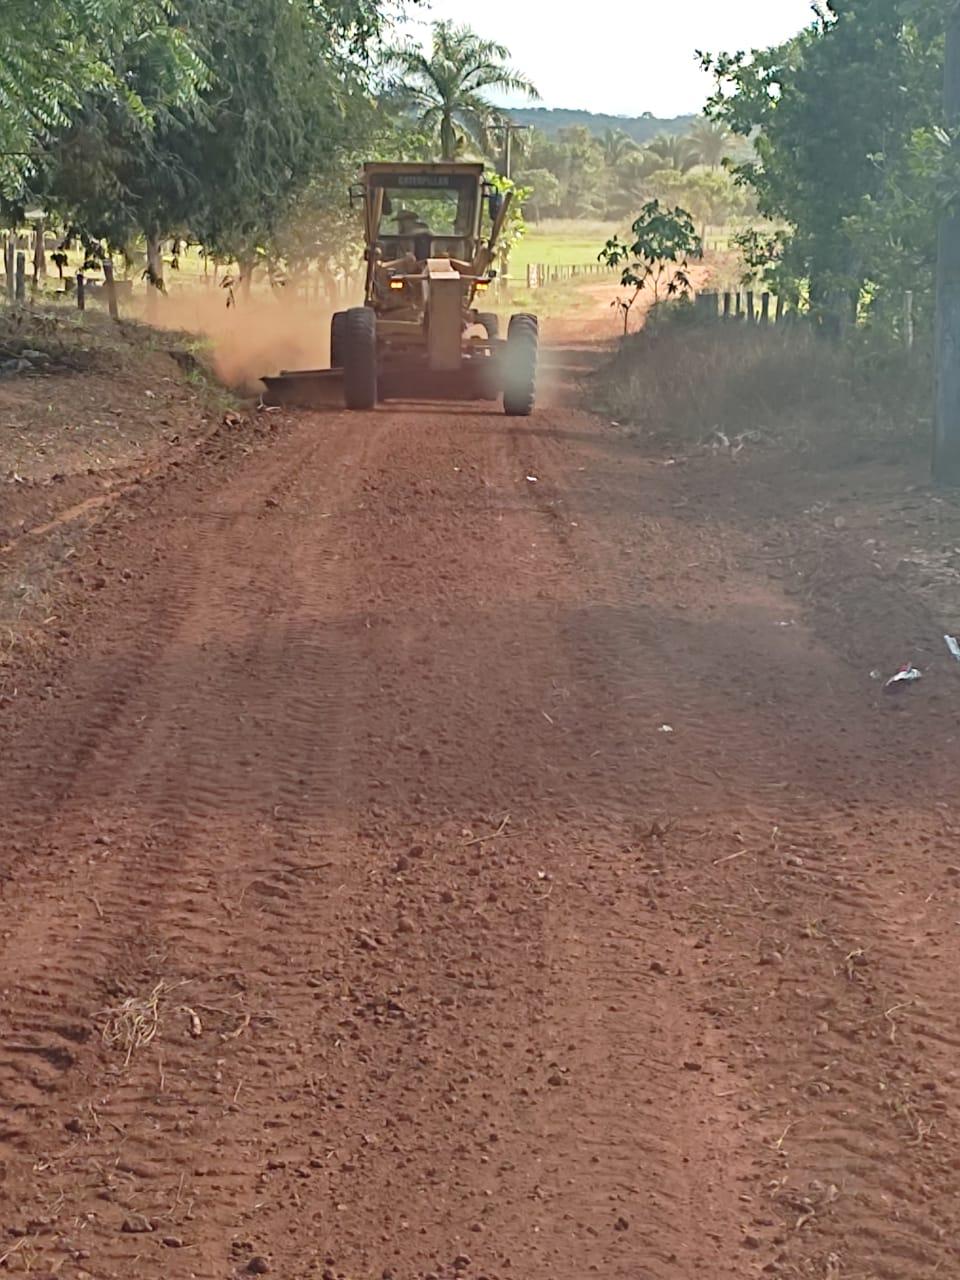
{"x":259,"y":335}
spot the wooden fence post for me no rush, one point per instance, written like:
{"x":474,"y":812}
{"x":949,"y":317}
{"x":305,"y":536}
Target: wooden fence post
{"x":21,"y":283}
{"x":727,"y":305}
{"x":110,"y":285}
{"x":908,"y":326}
{"x":9,"y":266}
{"x":81,"y":292}
{"x":765,"y":308}
{"x":706,"y":306}
{"x":751,"y":308}
{"x":739,"y":311}
{"x":779,"y":308}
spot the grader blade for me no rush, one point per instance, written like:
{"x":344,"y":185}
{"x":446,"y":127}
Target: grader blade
{"x":305,"y":389}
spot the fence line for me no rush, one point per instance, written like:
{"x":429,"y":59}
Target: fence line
{"x":540,"y":274}
{"x":736,"y":306}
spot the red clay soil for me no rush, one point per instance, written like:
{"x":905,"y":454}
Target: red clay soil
{"x":439,"y":845}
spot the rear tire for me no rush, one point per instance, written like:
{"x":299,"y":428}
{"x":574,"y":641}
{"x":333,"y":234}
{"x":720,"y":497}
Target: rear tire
{"x":491,"y":323}
{"x":360,"y":358}
{"x":520,"y":366}
{"x":337,"y":339}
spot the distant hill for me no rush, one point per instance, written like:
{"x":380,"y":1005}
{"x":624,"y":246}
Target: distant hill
{"x":641,"y":128}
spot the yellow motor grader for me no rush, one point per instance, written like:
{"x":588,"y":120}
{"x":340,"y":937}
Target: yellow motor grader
{"x":431,"y":233}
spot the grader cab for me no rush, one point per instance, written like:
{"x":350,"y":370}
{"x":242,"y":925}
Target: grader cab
{"x":431,"y":233}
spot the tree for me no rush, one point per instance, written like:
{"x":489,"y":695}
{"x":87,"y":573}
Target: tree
{"x":54,"y":53}
{"x":227,"y":168}
{"x":580,"y":171}
{"x":544,"y":188}
{"x":712,"y":197}
{"x":844,"y":120}
{"x":673,"y":152}
{"x":664,"y":241}
{"x":711,"y":142}
{"x":446,"y":87}
{"x":617,"y":148}
{"x":641,"y":177}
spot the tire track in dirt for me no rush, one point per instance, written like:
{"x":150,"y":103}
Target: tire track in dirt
{"x":163,"y":770}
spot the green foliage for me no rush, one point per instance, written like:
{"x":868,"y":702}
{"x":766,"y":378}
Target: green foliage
{"x":321,"y":228}
{"x":711,"y":141}
{"x":576,"y":160}
{"x":228,"y":167}
{"x":515,"y":226}
{"x":664,"y":241}
{"x":544,"y":188}
{"x":55,"y":52}
{"x":618,"y":147}
{"x":762,"y":253}
{"x":844,"y":120}
{"x":673,"y":152}
{"x":446,"y":88}
{"x":712,"y":196}
{"x":609,"y":175}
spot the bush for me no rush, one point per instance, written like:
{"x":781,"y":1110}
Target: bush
{"x":679,"y":381}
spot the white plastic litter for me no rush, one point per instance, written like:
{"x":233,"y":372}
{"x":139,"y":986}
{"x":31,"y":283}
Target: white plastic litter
{"x":906,"y":675}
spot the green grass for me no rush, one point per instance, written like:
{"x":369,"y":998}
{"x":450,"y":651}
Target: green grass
{"x":573,"y":243}
{"x":561,"y":244}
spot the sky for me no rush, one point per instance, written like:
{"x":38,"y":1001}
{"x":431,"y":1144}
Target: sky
{"x":620,"y":56}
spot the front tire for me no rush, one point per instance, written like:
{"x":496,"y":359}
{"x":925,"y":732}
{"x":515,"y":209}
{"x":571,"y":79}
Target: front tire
{"x":360,"y":358}
{"x":521,"y":358}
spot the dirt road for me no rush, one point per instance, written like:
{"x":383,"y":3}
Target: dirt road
{"x":443,"y":848}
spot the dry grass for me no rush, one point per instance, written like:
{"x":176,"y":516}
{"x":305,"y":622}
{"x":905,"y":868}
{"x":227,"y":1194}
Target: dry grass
{"x":679,"y":382}
{"x":133,"y":1023}
{"x":89,"y":342}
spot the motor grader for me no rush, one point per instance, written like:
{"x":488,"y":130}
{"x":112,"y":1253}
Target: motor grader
{"x":431,"y":233}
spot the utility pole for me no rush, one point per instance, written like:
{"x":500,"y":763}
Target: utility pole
{"x":946,"y":442}
{"x":509,"y":129}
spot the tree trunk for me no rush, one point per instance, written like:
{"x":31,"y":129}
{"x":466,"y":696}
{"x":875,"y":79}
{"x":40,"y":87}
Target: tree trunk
{"x":154,"y":261}
{"x":39,"y":252}
{"x":246,"y":266}
{"x":448,"y":138}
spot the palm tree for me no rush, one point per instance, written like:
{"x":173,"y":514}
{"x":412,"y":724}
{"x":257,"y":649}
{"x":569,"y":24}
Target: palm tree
{"x":617,"y":147}
{"x":673,"y":152}
{"x":445,"y":86}
{"x":711,"y":141}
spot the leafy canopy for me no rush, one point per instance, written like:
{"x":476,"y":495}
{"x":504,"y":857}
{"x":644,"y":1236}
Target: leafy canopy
{"x":228,"y":166}
{"x":844,"y":120}
{"x":54,"y":52}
